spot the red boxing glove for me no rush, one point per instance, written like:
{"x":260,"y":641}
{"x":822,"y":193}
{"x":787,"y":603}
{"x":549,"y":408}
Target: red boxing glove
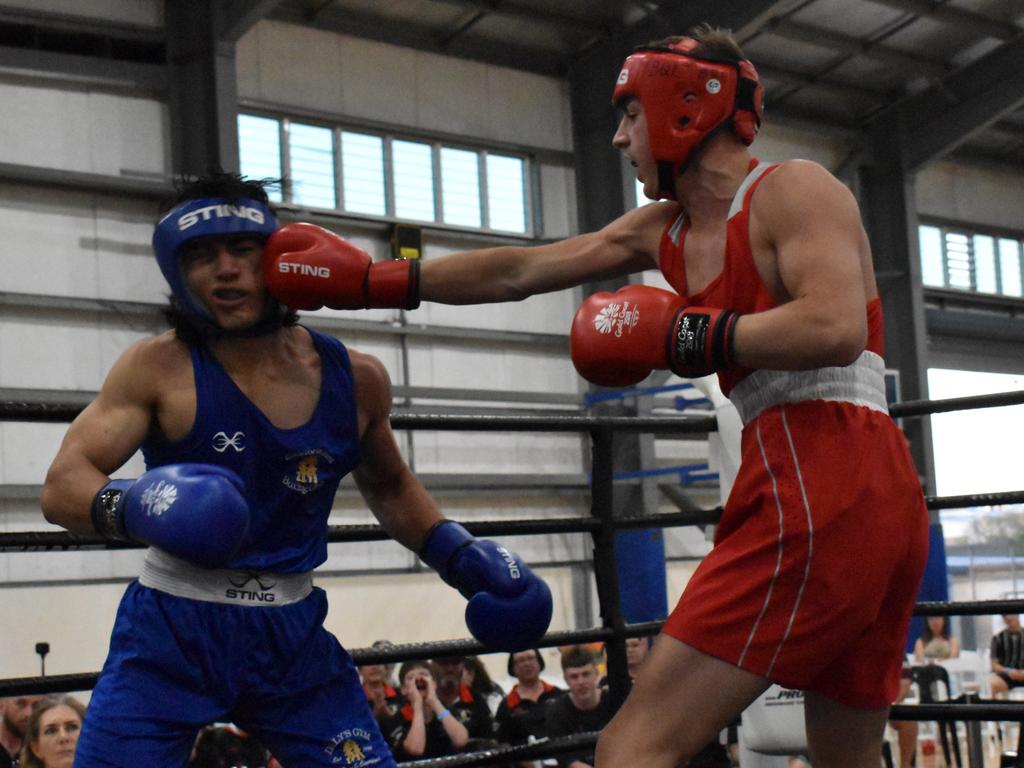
{"x":308,"y":267}
{"x":618,"y":338}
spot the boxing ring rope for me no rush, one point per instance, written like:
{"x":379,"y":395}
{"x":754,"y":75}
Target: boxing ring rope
{"x":601,"y":525}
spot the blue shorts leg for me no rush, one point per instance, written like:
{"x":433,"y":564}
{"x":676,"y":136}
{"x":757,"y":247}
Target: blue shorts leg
{"x":309,"y":708}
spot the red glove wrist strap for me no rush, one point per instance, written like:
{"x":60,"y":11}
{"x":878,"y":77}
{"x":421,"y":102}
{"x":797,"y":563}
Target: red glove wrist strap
{"x":394,"y":284}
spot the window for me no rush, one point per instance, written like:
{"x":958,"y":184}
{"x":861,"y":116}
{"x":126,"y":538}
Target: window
{"x":362,"y":173}
{"x":311,"y":165}
{"x":259,"y":149}
{"x":460,"y":187}
{"x":375,"y":174}
{"x":970,"y":261}
{"x":413,"y":166}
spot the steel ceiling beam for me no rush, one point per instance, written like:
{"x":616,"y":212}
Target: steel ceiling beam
{"x":236,"y":17}
{"x":824,"y":38}
{"x":951,"y":16}
{"x":522,"y":12}
{"x":420,"y":37}
{"x":941,"y":118}
{"x":672,"y":17}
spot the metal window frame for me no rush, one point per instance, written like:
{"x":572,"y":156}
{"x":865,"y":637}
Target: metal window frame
{"x":532,"y":221}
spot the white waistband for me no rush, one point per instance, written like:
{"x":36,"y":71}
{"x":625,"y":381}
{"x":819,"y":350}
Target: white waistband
{"x":861,"y":383}
{"x":221,"y":585}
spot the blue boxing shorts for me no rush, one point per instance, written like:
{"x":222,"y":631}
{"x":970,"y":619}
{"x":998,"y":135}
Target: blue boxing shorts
{"x":177,"y":664}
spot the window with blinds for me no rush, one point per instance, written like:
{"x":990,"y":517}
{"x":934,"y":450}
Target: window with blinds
{"x":378,"y":174}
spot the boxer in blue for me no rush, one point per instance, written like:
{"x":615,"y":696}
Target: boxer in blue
{"x":247,"y":422}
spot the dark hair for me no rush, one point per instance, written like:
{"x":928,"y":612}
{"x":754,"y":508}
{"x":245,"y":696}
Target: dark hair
{"x":230,"y":186}
{"x":28,"y":757}
{"x":409,"y":666}
{"x":927,"y":635}
{"x":481,"y":678}
{"x":222,"y":747}
{"x":577,"y":657}
{"x":219,"y":183}
{"x":511,"y":660}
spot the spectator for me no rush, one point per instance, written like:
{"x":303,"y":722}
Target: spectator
{"x":422,"y":726}
{"x":52,"y":733}
{"x":521,"y":714}
{"x":587,"y":707}
{"x":14,"y":714}
{"x":1008,"y":657}
{"x":935,"y":642}
{"x":225,"y":746}
{"x":378,"y":686}
{"x":636,"y":651}
{"x":472,"y":711}
{"x":476,"y":678}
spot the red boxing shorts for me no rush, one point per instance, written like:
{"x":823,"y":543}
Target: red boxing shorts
{"x":818,"y":555}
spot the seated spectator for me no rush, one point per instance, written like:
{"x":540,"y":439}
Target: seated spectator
{"x":476,"y":678}
{"x":14,"y":713}
{"x":471,"y":710}
{"x":52,"y":733}
{"x":225,"y":746}
{"x":935,"y":642}
{"x":422,"y":726}
{"x":586,"y":708}
{"x":521,"y":714}
{"x":377,"y":685}
{"x":637,"y":649}
{"x":1008,"y":657}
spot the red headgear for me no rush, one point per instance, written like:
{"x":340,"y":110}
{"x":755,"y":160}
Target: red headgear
{"x":686,"y":99}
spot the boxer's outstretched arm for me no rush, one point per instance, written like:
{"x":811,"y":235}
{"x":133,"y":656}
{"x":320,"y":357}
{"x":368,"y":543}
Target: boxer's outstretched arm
{"x":102,"y":438}
{"x":510,"y":273}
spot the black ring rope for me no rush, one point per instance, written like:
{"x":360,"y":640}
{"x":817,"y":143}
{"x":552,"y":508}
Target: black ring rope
{"x":65,"y":412}
{"x":26,"y":541}
{"x":503,"y":755}
{"x":980,"y":710}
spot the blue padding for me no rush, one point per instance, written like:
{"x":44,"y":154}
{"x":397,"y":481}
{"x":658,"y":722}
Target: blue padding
{"x":640,"y":556}
{"x":934,"y":584}
{"x":590,"y":398}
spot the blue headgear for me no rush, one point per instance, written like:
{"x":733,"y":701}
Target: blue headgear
{"x":203,"y":217}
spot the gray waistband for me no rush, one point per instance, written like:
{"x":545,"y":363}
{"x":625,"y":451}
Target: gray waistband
{"x":221,"y":585}
{"x":861,"y":383}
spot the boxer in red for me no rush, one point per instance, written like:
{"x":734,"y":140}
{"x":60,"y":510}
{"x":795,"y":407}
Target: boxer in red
{"x":823,"y":541}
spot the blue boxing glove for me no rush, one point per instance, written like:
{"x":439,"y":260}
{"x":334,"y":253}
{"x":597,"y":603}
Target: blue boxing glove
{"x":509,"y":605}
{"x":193,"y":511}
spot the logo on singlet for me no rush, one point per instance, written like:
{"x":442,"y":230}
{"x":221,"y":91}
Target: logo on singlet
{"x":616,"y":317}
{"x":221,"y":442}
{"x":305,"y":477}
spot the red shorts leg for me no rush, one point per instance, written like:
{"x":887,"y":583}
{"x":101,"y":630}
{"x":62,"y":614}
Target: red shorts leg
{"x":818,"y":555}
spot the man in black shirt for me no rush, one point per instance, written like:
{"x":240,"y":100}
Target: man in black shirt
{"x":1008,"y":656}
{"x":586,"y":708}
{"x":14,"y":712}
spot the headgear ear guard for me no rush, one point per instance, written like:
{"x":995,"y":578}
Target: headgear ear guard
{"x":205,"y":217}
{"x":687,"y":100}
{"x":511,"y":659}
